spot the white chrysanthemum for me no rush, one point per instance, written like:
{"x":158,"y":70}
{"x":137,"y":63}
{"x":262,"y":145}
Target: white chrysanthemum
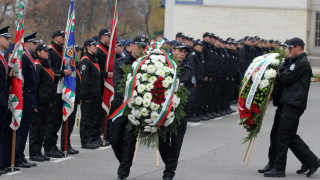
{"x":144,"y":67}
{"x":147,"y":61}
{"x":144,"y":112}
{"x":131,"y":101}
{"x":176,"y":101}
{"x":134,"y":94}
{"x":152,"y":79}
{"x":275,"y":62}
{"x":170,"y":115}
{"x":165,"y":84}
{"x":166,"y":69}
{"x":177,"y":85}
{"x":154,"y":115}
{"x":134,"y":64}
{"x":149,"y":87}
{"x":138,"y":76}
{"x":151,"y":69}
{"x":129,"y":76}
{"x":168,"y":122}
{"x":263,"y":84}
{"x":147,"y":96}
{"x":169,"y":79}
{"x":148,"y":121}
{"x":144,"y":77}
{"x":137,"y":113}
{"x":158,"y":65}
{"x":162,"y":59}
{"x":172,"y":71}
{"x":146,"y":103}
{"x":166,"y":94}
{"x":270,"y":73}
{"x":154,"y":129}
{"x":138,"y":82}
{"x":154,"y":60}
{"x":160,"y":73}
{"x":138,"y":101}
{"x":154,"y":106}
{"x":147,"y":129}
{"x":141,"y":88}
{"x":131,"y":117}
{"x":135,"y":122}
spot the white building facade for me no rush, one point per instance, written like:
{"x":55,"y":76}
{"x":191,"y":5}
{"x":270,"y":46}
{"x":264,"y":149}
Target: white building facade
{"x":269,"y":19}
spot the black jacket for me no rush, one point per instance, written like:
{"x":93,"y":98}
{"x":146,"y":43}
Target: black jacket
{"x":196,"y":61}
{"x":233,"y":64}
{"x":221,"y":65}
{"x":45,"y":79}
{"x":102,"y":56}
{"x":90,"y":72}
{"x":245,"y":58}
{"x":117,"y":77}
{"x":209,"y":59}
{"x":78,"y":83}
{"x":3,"y":83}
{"x":54,"y":60}
{"x":295,"y":80}
{"x":30,"y":81}
{"x":186,"y":74}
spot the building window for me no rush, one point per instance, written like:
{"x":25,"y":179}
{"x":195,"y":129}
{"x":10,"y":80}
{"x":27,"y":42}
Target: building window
{"x":317,"y":34}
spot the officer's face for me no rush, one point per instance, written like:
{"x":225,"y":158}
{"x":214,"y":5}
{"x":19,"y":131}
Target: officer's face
{"x":105,"y":39}
{"x":92,"y":49}
{"x":137,"y":50}
{"x":4,"y":43}
{"x":119,"y":49}
{"x":180,"y":53}
{"x":31,"y":46}
{"x":43,"y":54}
{"x":287,"y":53}
{"x":60,"y":40}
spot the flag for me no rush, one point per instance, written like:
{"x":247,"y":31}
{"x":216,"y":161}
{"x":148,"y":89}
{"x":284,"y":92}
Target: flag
{"x":108,"y":92}
{"x":69,"y":82}
{"x":15,"y":92}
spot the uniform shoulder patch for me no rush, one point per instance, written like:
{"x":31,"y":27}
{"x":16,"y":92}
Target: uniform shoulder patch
{"x":83,"y":67}
{"x":193,"y":53}
{"x":292,"y":67}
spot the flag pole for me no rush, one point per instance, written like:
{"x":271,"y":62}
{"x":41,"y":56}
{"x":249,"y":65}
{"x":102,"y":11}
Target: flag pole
{"x":105,"y":130}
{"x":66,"y":138}
{"x":13,"y":153}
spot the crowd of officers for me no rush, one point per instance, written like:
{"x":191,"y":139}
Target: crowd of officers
{"x":211,"y":69}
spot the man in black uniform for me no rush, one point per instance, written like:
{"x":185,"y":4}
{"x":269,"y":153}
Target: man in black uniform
{"x":244,"y":56}
{"x":102,"y":54}
{"x":196,"y":61}
{"x":5,"y":130}
{"x":119,"y":48}
{"x":55,"y":114}
{"x":171,"y":146}
{"x":123,"y":140}
{"x":295,"y":82}
{"x":29,"y":99}
{"x":91,"y":96}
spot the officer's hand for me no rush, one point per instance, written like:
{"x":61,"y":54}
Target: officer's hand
{"x":11,"y":72}
{"x":80,"y":102}
{"x":110,"y":74}
{"x":35,"y":110}
{"x":232,"y":79}
{"x":67,"y":72}
{"x":205,"y":79}
{"x":195,"y":85}
{"x":210,"y":79}
{"x":227,"y":78}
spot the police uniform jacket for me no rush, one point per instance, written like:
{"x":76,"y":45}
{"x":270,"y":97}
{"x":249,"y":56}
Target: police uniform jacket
{"x":196,"y":61}
{"x":78,"y":83}
{"x":221,"y":63}
{"x":209,"y":59}
{"x":30,"y":81}
{"x":244,"y":58}
{"x":45,"y":79}
{"x":117,"y":77}
{"x":185,"y":75}
{"x":295,"y":80}
{"x":54,"y":59}
{"x":102,"y":56}
{"x":4,"y":70}
{"x":90,"y":72}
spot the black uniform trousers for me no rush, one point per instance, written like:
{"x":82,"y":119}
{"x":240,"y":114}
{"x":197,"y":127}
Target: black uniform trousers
{"x":209,"y":104}
{"x":38,"y":129}
{"x":229,"y":93}
{"x":220,"y":92}
{"x":191,"y":102}
{"x":170,"y":148}
{"x":22,"y":133}
{"x":71,"y":121}
{"x":123,"y":143}
{"x":90,"y":117}
{"x":284,"y":136}
{"x":200,"y":99}
{"x":54,"y":123}
{"x":5,"y":137}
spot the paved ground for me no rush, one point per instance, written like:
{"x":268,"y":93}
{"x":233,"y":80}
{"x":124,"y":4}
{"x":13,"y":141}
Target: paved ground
{"x":211,"y":150}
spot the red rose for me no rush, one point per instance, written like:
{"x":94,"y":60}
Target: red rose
{"x":255,"y":108}
{"x":245,"y":113}
{"x":242,"y":102}
{"x":160,"y":78}
{"x":153,"y":92}
{"x":158,"y":91}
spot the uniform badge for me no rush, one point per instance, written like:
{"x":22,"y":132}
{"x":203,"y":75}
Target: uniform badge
{"x":292,"y":67}
{"x":193,"y":53}
{"x":83,"y":67}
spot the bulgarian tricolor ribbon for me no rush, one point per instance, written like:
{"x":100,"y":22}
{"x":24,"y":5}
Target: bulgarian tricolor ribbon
{"x":155,"y":45}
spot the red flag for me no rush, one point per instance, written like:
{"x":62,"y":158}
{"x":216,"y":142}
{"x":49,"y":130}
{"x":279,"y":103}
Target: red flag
{"x":108,"y":92}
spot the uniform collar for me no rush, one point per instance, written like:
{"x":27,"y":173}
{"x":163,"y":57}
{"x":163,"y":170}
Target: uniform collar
{"x":2,"y":53}
{"x":59,"y":48}
{"x":300,"y":56}
{"x":92,"y":57}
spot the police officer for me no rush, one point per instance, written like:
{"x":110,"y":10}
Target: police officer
{"x":29,"y":99}
{"x":171,"y":146}
{"x":45,"y":79}
{"x":295,"y":82}
{"x":123,"y":140}
{"x":55,"y":114}
{"x":196,"y":61}
{"x":5,"y":130}
{"x":91,"y":96}
{"x":119,"y":48}
{"x":244,"y":56}
{"x":102,"y":54}
{"x":127,"y":47}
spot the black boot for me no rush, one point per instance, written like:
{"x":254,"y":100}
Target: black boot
{"x":314,"y":168}
{"x":265,"y":169}
{"x":303,"y":169}
{"x":275,"y":173}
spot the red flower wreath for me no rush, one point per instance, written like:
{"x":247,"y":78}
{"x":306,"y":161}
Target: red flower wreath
{"x":158,"y":92}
